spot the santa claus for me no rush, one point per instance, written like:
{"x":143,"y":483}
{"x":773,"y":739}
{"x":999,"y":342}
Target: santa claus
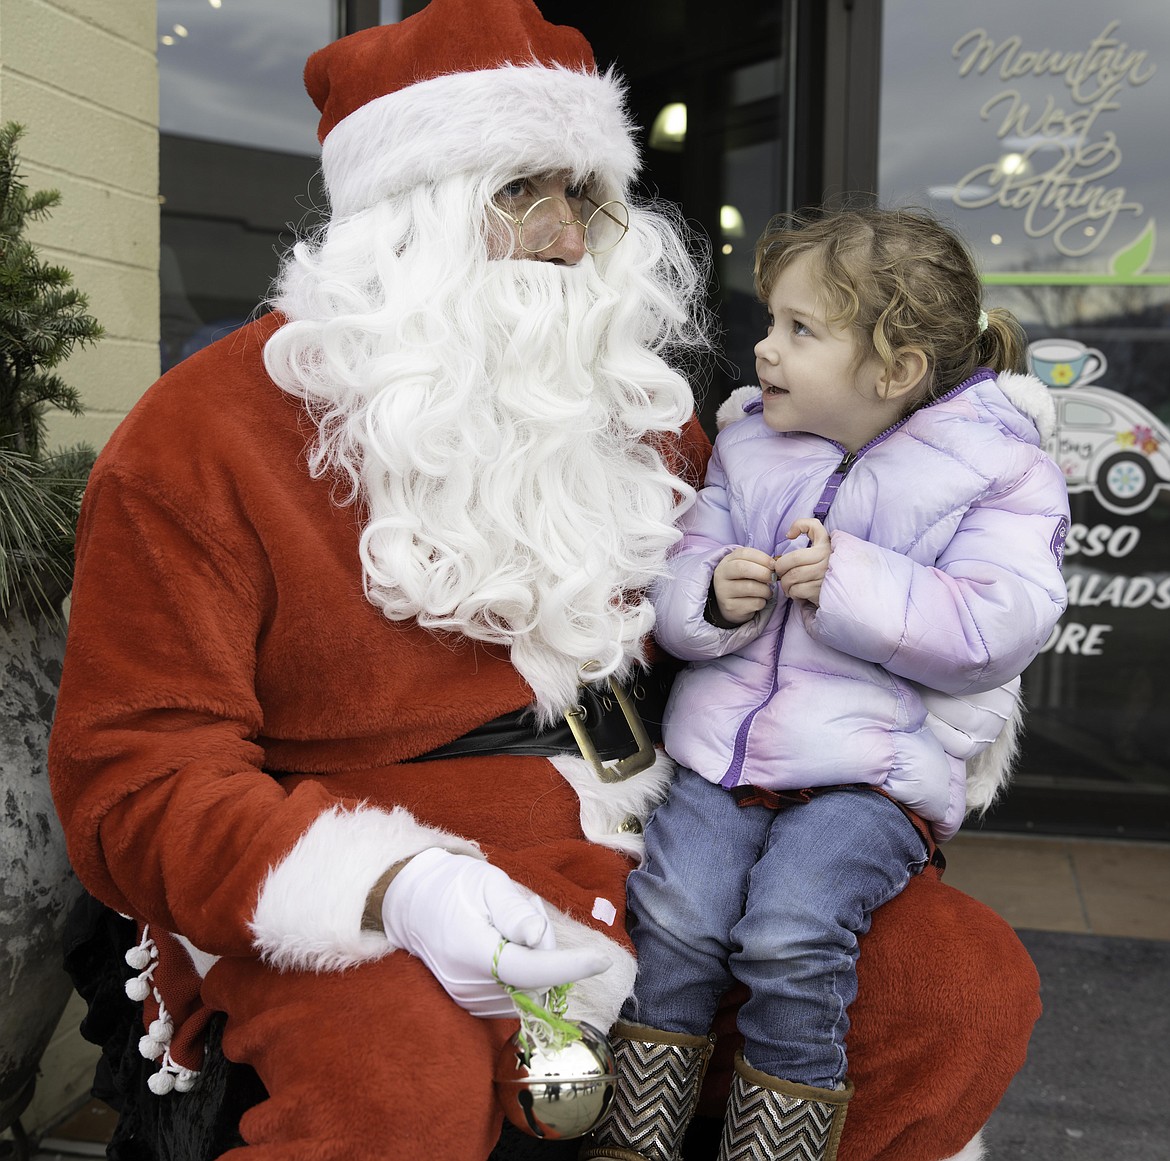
{"x":340,"y":580}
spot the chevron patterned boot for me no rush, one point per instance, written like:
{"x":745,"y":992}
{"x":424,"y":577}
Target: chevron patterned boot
{"x":769,"y":1119}
{"x":659,"y":1075}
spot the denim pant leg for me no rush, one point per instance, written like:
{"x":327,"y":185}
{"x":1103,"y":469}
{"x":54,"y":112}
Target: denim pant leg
{"x":684,"y":900}
{"x":827,"y":866}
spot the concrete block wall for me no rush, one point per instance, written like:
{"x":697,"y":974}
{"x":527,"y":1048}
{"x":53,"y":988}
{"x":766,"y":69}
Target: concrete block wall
{"x":81,"y":76}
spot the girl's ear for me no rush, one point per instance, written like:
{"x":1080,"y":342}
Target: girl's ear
{"x":909,"y":369}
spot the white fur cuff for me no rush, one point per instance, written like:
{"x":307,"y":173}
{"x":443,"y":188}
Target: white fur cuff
{"x":310,"y":908}
{"x":597,"y":999}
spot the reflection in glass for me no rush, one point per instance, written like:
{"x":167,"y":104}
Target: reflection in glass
{"x":234,"y":74}
{"x":669,"y":130}
{"x":237,"y":156}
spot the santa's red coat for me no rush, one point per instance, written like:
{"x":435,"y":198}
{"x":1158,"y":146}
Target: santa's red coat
{"x":228,"y":761}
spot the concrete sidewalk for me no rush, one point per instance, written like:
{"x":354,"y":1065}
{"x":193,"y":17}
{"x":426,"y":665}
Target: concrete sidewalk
{"x":1095,"y":1082}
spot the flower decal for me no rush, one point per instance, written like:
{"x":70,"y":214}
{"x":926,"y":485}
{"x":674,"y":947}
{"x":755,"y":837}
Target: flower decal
{"x":1140,"y":437}
{"x":1062,"y":374}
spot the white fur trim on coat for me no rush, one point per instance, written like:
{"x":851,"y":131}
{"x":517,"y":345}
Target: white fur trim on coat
{"x":989,"y":771}
{"x":598,"y":999}
{"x":519,"y":119}
{"x":732,"y":407}
{"x":1033,"y":398}
{"x":983,"y":731}
{"x":309,"y":913}
{"x":972,"y":1151}
{"x":613,"y":814}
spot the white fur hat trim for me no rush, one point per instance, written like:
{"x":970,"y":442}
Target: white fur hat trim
{"x":514,"y":121}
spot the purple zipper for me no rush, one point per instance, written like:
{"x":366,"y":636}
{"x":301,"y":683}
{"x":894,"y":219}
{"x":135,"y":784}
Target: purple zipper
{"x":731,"y":778}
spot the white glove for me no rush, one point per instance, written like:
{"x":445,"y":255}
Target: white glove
{"x":452,"y":911}
{"x":967,"y":725}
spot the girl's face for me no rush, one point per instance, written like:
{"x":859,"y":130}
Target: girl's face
{"x":809,"y":371}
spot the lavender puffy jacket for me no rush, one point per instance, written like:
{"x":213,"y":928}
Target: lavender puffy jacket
{"x":947,"y":536}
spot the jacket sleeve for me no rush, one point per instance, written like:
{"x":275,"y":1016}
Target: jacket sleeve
{"x":156,"y":772}
{"x":680,"y":597}
{"x":978,"y":616}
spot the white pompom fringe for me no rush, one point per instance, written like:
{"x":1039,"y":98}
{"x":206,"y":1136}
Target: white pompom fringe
{"x":155,"y":1045}
{"x":143,"y":959}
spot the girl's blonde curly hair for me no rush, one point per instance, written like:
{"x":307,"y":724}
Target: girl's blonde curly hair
{"x":899,"y":278}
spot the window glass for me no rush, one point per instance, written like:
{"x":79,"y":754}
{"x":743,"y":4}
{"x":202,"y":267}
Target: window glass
{"x":1039,"y":130}
{"x":708,"y":93}
{"x":237,"y":155}
{"x":232,"y":72}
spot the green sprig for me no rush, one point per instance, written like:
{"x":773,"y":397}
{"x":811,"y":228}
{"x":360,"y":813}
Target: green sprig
{"x":541,"y":1025}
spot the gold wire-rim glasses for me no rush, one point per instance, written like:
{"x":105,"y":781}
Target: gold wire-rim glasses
{"x":616,"y":211}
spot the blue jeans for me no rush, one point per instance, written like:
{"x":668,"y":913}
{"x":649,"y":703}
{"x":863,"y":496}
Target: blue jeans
{"x":773,"y":899}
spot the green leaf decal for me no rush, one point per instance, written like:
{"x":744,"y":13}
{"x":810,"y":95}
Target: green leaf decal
{"x":1134,"y":259}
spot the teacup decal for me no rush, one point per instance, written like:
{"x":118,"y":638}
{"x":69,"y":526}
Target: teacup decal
{"x":1065,"y":362}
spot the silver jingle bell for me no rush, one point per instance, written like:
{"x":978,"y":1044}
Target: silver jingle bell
{"x":556,"y":1094}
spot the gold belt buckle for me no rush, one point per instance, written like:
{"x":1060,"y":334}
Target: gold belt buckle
{"x":625,"y":767}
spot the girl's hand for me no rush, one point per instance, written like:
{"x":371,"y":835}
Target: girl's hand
{"x":743,"y":584}
{"x":801,"y":571}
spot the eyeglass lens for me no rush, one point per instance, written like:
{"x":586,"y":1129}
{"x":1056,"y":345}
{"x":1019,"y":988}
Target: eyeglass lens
{"x":605,"y":225}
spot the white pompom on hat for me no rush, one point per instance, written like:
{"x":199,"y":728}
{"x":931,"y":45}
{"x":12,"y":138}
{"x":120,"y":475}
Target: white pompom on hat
{"x":464,"y":86}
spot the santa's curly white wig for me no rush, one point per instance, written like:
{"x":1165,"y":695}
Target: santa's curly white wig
{"x":498,"y":419}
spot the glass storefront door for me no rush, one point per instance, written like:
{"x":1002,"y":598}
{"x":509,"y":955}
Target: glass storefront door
{"x":1040,"y":131}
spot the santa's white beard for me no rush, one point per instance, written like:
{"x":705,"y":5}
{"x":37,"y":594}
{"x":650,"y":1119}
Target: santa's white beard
{"x":513,"y":491}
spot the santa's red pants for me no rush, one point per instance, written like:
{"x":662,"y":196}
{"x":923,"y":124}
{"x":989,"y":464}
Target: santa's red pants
{"x":377,"y":1062}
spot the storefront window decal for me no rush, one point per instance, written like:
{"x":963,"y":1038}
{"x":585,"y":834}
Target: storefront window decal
{"x":1105,"y":442}
{"x":1058,"y":164}
{"x":1045,"y":145}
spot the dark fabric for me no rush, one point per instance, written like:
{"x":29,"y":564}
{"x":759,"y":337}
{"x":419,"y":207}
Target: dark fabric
{"x":773,"y":799}
{"x":194,"y":1126}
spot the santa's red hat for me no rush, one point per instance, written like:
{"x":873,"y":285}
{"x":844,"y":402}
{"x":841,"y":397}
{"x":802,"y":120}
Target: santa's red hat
{"x":480,"y":86}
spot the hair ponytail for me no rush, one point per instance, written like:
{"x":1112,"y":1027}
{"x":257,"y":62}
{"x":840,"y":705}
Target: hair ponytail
{"x":1003,"y":345}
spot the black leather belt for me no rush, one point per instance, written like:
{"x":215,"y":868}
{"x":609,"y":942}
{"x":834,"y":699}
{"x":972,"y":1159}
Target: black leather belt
{"x":600,"y":728}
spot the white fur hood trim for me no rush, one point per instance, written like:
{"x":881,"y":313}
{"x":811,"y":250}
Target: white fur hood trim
{"x":1029,"y":395}
{"x":732,"y":408}
{"x":513,"y":121}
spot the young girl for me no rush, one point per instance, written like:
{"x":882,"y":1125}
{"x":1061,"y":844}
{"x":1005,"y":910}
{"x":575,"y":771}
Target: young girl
{"x":884,"y":519}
